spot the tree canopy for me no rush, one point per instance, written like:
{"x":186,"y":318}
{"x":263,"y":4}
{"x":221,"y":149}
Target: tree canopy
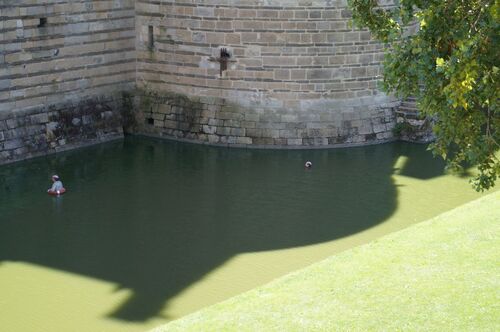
{"x":445,"y":53}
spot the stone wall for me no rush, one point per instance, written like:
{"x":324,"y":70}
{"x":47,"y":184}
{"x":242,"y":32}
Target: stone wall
{"x":288,"y":53}
{"x":297,"y":73}
{"x":64,"y":50}
{"x":216,"y":121}
{"x":411,"y":126}
{"x":58,"y":127}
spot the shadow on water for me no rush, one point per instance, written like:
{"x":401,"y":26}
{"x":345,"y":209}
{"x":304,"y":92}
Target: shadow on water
{"x":155,"y":217}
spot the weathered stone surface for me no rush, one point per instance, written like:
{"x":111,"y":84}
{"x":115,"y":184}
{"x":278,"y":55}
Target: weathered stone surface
{"x":32,"y":133}
{"x":13,"y":144}
{"x":52,"y":125}
{"x":297,"y":73}
{"x":39,"y":118}
{"x":274,"y":127}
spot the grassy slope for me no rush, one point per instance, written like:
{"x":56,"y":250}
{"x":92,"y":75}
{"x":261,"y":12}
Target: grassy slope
{"x":442,"y":275}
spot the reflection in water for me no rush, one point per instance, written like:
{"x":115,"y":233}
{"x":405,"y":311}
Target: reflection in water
{"x":155,"y":217}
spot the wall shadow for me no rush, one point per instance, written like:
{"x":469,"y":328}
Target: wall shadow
{"x":155,"y":216}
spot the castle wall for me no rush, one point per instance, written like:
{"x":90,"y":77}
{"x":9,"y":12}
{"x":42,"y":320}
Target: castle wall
{"x":297,"y":75}
{"x":39,"y":131}
{"x":55,"y":53}
{"x":297,"y":72}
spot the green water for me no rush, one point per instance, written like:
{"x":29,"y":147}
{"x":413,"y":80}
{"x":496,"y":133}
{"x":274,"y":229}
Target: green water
{"x":151,"y":230}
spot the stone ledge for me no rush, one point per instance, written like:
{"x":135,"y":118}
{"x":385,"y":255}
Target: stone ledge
{"x":262,"y":146}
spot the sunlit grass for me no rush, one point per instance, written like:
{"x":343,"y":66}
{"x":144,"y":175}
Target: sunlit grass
{"x":439,"y":275}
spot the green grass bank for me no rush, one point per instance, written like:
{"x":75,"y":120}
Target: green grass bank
{"x":439,"y":275}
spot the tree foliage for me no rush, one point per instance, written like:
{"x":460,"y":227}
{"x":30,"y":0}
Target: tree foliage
{"x":445,"y":53}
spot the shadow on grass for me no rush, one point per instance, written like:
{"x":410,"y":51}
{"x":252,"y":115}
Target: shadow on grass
{"x":155,"y":217}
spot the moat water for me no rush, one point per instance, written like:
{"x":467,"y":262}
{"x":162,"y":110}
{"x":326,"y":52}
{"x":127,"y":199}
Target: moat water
{"x":152,"y":230}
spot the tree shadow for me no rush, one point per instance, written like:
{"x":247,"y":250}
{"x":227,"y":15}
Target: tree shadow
{"x":155,"y":216}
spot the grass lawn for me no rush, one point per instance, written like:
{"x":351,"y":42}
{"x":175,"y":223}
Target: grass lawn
{"x":441,"y":275}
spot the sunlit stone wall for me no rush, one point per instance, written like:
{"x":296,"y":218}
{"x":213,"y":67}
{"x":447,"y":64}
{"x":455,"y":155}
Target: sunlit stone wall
{"x":298,"y":74}
{"x":56,"y":55}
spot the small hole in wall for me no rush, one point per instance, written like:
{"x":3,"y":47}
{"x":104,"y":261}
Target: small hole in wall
{"x":150,"y":121}
{"x":151,"y":37}
{"x":223,"y":59}
{"x":42,"y":22}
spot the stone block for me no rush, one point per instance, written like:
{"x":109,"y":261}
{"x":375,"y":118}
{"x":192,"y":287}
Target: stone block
{"x":204,"y":11}
{"x":232,"y":38}
{"x":208,"y":113}
{"x":198,"y":37}
{"x":270,"y":125}
{"x":164,"y":109}
{"x":213,"y":139}
{"x":328,"y":132}
{"x":251,"y":132}
{"x":288,"y":133}
{"x":21,"y":151}
{"x":269,"y":117}
{"x":5,"y":155}
{"x":232,"y":123}
{"x":230,"y":116}
{"x":244,"y":140}
{"x":15,"y":122}
{"x":313,"y":74}
{"x":209,"y":100}
{"x":298,"y":74}
{"x":184,"y":126}
{"x":248,"y":124}
{"x":336,"y":37}
{"x":251,"y":117}
{"x":313,"y":132}
{"x":358,"y":72}
{"x":223,"y":131}
{"x":237,"y":131}
{"x":19,"y":132}
{"x":282,"y":74}
{"x":315,"y":125}
{"x":159,"y":116}
{"x":209,"y":129}
{"x":52,"y":125}
{"x":289,"y":118}
{"x":76,"y":122}
{"x":5,"y":84}
{"x":262,"y":140}
{"x":170,"y":124}
{"x":249,"y":37}
{"x":279,"y":141}
{"x":365,"y":129}
{"x":13,"y":144}
{"x":214,"y":107}
{"x":379,"y":128}
{"x":86,"y":119}
{"x":35,"y":129}
{"x":214,"y":122}
{"x":295,"y":125}
{"x":177,"y":109}
{"x":294,"y":141}
{"x":272,"y":133}
{"x":202,"y":137}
